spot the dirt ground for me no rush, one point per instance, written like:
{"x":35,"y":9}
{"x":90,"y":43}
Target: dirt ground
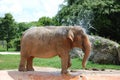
{"x":45,"y":73}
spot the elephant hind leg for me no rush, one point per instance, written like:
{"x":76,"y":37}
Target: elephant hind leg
{"x":22,"y":64}
{"x":29,"y":65}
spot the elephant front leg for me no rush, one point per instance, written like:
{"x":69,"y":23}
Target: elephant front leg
{"x":65,"y":65}
{"x":69,"y":61}
{"x":29,"y":65}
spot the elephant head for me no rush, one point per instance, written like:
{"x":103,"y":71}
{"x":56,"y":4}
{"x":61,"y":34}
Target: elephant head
{"x":80,"y":39}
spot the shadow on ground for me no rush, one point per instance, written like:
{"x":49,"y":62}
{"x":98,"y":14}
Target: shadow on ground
{"x":41,"y":75}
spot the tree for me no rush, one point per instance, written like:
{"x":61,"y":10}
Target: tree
{"x":33,"y":23}
{"x":20,"y":28}
{"x":7,"y":28}
{"x":106,"y":19}
{"x":45,"y":21}
{"x":1,"y":29}
{"x":99,"y":17}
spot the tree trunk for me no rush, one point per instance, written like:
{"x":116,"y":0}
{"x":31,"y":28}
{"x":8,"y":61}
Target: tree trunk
{"x":7,"y":45}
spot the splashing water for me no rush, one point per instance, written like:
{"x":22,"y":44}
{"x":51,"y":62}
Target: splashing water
{"x":86,"y":19}
{"x":83,"y":19}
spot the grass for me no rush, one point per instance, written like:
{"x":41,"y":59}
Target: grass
{"x":12,"y":62}
{"x":9,"y":61}
{"x":2,"y":49}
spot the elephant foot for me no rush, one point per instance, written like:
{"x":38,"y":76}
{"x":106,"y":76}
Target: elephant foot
{"x":22,"y":69}
{"x":69,"y":65}
{"x":30,"y":69}
{"x":64,"y":72}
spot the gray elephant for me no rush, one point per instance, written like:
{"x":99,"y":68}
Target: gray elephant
{"x":47,"y":42}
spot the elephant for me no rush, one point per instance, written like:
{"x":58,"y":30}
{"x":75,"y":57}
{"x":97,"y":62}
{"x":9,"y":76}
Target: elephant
{"x":47,"y":42}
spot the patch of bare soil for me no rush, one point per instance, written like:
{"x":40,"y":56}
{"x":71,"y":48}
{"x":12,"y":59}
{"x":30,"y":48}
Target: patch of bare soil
{"x":45,"y":73}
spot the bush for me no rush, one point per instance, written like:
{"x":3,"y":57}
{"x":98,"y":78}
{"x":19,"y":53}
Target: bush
{"x":17,"y":44}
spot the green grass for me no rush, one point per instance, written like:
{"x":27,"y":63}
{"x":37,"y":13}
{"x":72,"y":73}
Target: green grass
{"x":12,"y":62}
{"x":4,"y":49}
{"x":9,"y":61}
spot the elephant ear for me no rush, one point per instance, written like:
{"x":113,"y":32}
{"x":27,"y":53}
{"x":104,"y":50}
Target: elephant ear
{"x":71,"y":35}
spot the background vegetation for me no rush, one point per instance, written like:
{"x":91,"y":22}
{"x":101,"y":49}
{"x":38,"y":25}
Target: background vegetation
{"x":99,"y":17}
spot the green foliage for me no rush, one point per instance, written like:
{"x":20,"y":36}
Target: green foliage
{"x":33,"y":23}
{"x":107,"y":25}
{"x":97,"y":43}
{"x":17,"y":44}
{"x":97,"y":16}
{"x":7,"y":28}
{"x":11,"y":32}
{"x":55,"y":21}
{"x":45,"y":21}
{"x":21,"y":27}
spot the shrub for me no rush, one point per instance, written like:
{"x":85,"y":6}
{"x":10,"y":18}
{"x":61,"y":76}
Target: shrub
{"x":17,"y":44}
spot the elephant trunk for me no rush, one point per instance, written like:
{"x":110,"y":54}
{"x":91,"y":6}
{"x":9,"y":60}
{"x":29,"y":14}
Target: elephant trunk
{"x":86,"y":50}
